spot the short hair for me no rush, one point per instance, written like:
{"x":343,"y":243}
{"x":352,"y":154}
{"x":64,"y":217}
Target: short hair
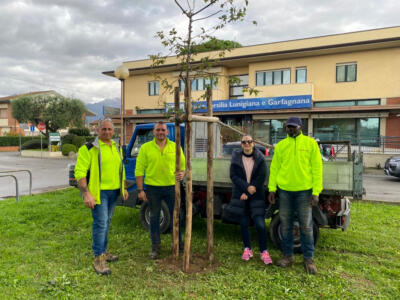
{"x":103,"y":120}
{"x":160,"y":123}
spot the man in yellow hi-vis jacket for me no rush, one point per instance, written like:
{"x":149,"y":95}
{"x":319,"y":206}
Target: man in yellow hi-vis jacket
{"x":296,"y":176}
{"x":100,"y":174}
{"x":155,"y":166}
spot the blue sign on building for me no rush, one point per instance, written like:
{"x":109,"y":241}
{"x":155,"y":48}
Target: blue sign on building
{"x":247,"y":104}
{"x":32,"y":128}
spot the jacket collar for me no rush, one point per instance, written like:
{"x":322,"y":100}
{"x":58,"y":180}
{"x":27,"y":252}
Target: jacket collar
{"x":97,"y":142}
{"x":237,"y":156}
{"x":296,"y":137}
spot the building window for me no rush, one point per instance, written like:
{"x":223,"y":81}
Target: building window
{"x":200,"y":84}
{"x":364,"y":131}
{"x":181,"y":85}
{"x":149,"y":111}
{"x":301,"y":75}
{"x":273,"y":131}
{"x":236,"y":89}
{"x":347,"y":103}
{"x":154,"y":88}
{"x":346,"y":72}
{"x":4,"y":113}
{"x":273,"y":77}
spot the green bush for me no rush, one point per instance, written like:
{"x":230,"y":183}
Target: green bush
{"x":78,"y":141}
{"x":14,"y":140}
{"x":79,"y":131}
{"x":67,"y":148}
{"x":90,"y":138}
{"x":34,"y":144}
{"x":67,"y":139}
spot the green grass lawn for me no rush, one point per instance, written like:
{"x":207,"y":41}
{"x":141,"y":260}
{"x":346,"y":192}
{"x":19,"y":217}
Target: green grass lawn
{"x":45,"y":252}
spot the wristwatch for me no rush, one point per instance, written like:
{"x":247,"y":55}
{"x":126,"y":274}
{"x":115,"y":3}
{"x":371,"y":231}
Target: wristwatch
{"x":139,"y":190}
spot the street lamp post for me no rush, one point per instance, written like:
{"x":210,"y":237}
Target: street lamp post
{"x":122,"y":73}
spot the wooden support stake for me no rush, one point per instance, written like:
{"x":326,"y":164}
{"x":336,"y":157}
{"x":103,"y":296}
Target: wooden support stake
{"x":196,"y":118}
{"x":243,"y":133}
{"x":210,"y":180}
{"x":189,"y":186}
{"x":177,"y":207}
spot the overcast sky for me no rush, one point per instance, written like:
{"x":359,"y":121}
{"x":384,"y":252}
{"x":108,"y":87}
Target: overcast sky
{"x":65,"y":45}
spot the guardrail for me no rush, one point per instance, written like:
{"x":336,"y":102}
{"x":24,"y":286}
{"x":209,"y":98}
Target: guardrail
{"x":16,"y":180}
{"x":16,"y":185}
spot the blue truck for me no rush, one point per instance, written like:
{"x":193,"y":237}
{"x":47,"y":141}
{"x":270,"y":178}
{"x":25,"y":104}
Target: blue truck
{"x":342,"y":179}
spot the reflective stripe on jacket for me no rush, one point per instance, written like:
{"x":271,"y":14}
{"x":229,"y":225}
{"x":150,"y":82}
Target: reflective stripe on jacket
{"x":91,"y":160}
{"x":296,"y":165}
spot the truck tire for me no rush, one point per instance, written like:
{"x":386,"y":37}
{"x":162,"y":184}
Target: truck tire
{"x":165,"y":217}
{"x":276,"y":235}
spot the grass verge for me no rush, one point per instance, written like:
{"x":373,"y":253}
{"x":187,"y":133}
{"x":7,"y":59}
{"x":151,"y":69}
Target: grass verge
{"x":45,"y":253}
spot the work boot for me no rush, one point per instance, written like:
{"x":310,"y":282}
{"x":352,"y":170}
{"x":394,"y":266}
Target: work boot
{"x":309,"y":266}
{"x":100,"y":265}
{"x":155,"y":251}
{"x":285,"y":261}
{"x":111,"y":257}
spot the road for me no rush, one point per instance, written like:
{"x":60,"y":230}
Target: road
{"x":48,"y":174}
{"x":381,"y":188}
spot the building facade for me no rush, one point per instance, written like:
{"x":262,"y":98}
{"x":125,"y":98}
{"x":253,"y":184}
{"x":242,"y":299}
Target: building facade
{"x":7,"y":123}
{"x":343,"y":86}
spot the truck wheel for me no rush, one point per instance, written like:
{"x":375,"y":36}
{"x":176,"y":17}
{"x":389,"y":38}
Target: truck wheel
{"x":165,"y":217}
{"x":276,"y":234}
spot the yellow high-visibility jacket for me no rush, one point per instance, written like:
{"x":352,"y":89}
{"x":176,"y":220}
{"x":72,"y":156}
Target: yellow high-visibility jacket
{"x":91,"y":160}
{"x":158,"y":167}
{"x":296,"y":165}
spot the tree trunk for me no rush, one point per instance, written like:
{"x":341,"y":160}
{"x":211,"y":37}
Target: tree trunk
{"x":210,"y":180}
{"x":177,"y":207}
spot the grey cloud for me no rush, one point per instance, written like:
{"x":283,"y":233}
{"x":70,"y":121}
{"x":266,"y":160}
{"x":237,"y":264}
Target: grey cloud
{"x":66,"y":44}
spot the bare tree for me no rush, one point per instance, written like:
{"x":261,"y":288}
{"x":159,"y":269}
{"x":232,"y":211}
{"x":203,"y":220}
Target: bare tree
{"x":191,"y":65}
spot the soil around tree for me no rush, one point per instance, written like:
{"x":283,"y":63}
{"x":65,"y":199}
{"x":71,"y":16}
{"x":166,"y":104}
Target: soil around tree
{"x":199,"y":264}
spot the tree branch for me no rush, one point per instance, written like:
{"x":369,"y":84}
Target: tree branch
{"x":205,"y":7}
{"x":182,"y":9}
{"x":217,"y":12}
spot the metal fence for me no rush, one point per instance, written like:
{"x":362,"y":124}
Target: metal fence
{"x":365,"y":144}
{"x":381,"y":144}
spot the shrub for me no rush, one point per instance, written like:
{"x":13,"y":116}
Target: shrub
{"x":67,"y":139}
{"x":90,"y":138}
{"x":14,"y":140}
{"x":67,"y":148}
{"x":34,"y":144}
{"x":78,"y":141}
{"x":79,"y":131}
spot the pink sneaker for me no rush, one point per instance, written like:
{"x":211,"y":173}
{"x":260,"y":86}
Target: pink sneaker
{"x":265,"y":257}
{"x":247,"y":254}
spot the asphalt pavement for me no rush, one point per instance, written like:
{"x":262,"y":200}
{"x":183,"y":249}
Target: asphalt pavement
{"x":381,"y":188}
{"x":47,"y":174}
{"x":50,"y":174}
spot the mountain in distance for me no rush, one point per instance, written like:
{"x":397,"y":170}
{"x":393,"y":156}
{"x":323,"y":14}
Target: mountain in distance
{"x":97,"y":108}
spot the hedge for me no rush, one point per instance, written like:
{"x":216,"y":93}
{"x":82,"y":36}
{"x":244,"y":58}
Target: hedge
{"x":79,"y":131}
{"x":34,"y":144}
{"x":67,"y":148}
{"x":14,"y":140}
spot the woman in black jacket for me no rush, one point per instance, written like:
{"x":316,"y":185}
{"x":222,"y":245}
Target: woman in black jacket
{"x":248,"y":171}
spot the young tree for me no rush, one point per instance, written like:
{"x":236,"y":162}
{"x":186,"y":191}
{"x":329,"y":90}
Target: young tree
{"x":53,"y":110}
{"x":191,"y":65}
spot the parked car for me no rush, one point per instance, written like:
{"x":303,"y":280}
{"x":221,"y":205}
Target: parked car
{"x":392,"y":166}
